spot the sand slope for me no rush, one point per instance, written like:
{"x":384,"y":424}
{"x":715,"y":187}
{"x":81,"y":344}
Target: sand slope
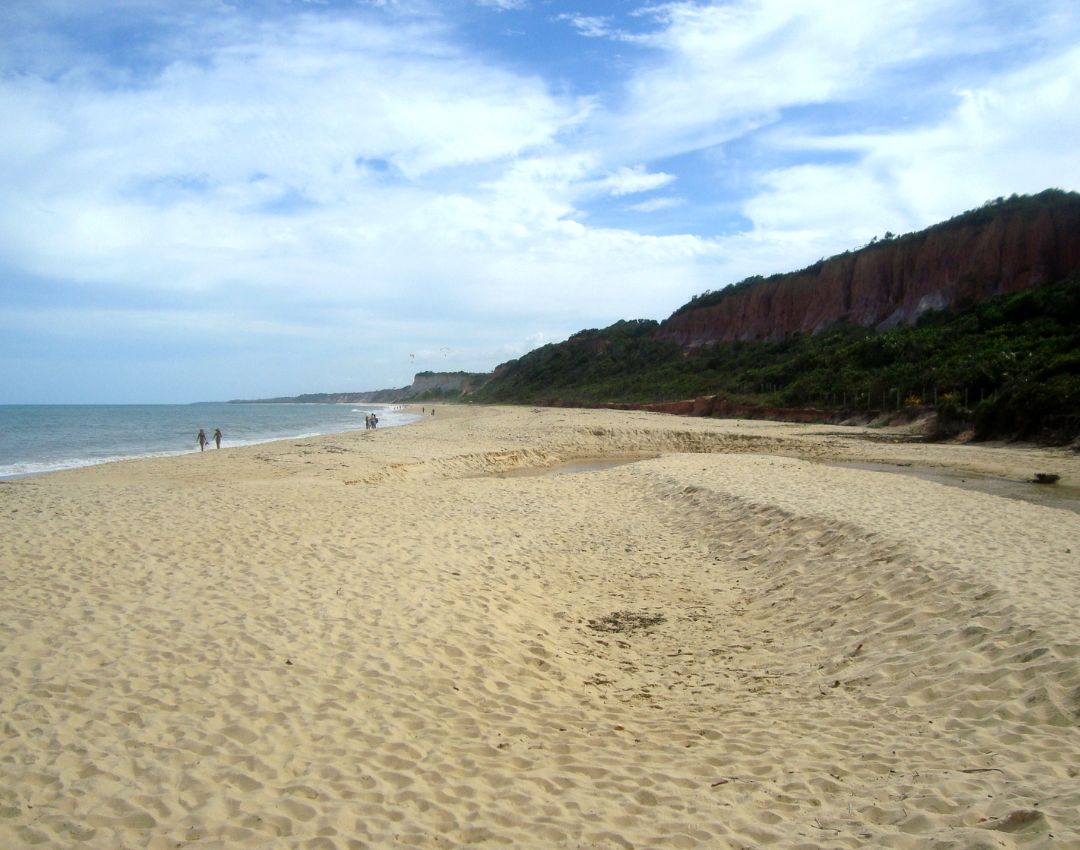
{"x":384,"y":640}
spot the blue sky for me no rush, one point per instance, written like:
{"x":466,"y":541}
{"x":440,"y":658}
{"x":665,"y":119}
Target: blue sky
{"x":209,"y":200}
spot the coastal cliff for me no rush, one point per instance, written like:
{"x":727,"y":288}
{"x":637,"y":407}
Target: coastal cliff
{"x":1002,"y":248}
{"x":427,"y":385}
{"x":975,"y":319}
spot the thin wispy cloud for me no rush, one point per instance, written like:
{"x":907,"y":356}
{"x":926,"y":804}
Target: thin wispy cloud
{"x":504,"y":5}
{"x":656,"y":204}
{"x":631,"y":180}
{"x":590,"y":26}
{"x":382,"y":178}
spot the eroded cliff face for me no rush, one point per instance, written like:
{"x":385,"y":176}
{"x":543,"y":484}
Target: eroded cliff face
{"x":449,"y":383}
{"x":445,"y":382}
{"x":894,"y":282}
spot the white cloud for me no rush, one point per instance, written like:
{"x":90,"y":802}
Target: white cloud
{"x":910,"y":178}
{"x":657,"y":204}
{"x":590,"y":26}
{"x":629,"y":180}
{"x":504,"y":5}
{"x":720,"y":71}
{"x":730,"y":68}
{"x":293,"y":115}
{"x":324,"y":180}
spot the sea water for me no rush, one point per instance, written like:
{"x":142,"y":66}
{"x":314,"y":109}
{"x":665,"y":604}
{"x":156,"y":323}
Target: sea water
{"x":45,"y":438}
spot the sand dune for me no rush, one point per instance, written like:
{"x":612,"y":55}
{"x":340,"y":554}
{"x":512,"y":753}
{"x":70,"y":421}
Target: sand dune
{"x":437,"y":637}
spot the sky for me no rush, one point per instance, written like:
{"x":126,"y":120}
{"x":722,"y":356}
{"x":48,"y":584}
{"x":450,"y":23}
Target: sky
{"x":211,"y":200}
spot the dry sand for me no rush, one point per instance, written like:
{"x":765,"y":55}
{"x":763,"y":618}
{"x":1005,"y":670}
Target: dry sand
{"x":386,"y":640}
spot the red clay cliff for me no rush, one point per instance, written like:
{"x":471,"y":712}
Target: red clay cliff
{"x":893,"y":282}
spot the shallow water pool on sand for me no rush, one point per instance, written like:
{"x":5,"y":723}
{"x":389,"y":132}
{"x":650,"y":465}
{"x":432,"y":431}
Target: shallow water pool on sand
{"x":1048,"y":495}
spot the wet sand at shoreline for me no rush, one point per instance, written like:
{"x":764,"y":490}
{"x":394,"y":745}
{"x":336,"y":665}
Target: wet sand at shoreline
{"x":384,"y":639}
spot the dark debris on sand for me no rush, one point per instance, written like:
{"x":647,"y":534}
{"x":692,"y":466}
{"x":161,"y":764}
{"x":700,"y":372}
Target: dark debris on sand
{"x":626,"y":621}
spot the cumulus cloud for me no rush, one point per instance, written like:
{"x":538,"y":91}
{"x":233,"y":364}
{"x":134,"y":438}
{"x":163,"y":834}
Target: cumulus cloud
{"x":194,"y":157}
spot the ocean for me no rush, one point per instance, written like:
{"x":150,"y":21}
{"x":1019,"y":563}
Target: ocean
{"x":44,"y":438}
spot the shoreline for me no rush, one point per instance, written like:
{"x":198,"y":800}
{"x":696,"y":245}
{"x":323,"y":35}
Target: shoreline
{"x":432,"y":637}
{"x":882,"y":449}
{"x":35,"y":468}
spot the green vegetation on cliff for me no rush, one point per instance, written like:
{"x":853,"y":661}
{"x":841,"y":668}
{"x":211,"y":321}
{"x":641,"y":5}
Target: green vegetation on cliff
{"x":1008,"y":365}
{"x":618,"y":362}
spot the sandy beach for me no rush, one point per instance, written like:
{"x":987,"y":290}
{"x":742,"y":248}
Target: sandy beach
{"x":544,"y":628}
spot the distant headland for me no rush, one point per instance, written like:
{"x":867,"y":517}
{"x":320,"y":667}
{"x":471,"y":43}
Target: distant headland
{"x":426,"y":386}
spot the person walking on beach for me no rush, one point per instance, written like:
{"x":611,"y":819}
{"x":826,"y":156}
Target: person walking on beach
{"x":202,"y":440}
{"x":217,"y":437}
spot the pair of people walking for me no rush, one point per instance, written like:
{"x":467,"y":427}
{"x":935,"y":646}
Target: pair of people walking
{"x":202,"y":441}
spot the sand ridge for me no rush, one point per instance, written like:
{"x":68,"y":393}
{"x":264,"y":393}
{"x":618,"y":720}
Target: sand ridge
{"x":373,"y":640}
